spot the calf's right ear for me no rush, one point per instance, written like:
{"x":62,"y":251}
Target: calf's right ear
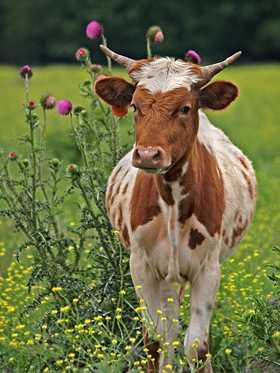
{"x":114,"y":90}
{"x":217,"y":95}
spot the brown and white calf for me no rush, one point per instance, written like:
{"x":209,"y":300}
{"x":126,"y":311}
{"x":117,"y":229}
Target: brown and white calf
{"x":183,"y":197}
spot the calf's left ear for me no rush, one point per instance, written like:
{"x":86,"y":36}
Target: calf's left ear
{"x":218,"y":95}
{"x":114,"y":90}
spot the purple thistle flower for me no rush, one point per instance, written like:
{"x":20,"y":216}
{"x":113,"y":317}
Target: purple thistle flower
{"x":94,"y":30}
{"x":193,"y":56}
{"x":64,"y":107}
{"x":25,"y":70}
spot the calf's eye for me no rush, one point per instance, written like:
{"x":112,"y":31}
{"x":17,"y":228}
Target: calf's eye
{"x":184,"y":109}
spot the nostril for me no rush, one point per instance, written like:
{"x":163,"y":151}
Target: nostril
{"x":137,"y":156}
{"x":156,"y":156}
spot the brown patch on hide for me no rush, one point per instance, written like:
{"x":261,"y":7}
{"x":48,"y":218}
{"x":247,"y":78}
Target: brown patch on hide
{"x":145,"y":200}
{"x":125,"y":236}
{"x":186,"y":209}
{"x":120,"y":217}
{"x":176,"y":171}
{"x":164,"y":190}
{"x":196,"y":238}
{"x":117,"y":191}
{"x":237,"y":232}
{"x":250,"y":185}
{"x":243,"y":162}
{"x":204,"y":184}
{"x":125,"y":189}
{"x":110,"y":189}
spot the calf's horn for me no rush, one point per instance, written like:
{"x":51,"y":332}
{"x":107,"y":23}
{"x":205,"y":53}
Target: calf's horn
{"x":211,"y":70}
{"x":122,"y":60}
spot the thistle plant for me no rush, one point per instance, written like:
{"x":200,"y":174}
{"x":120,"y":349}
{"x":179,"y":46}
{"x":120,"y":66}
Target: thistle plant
{"x":153,"y":35}
{"x":80,"y":269}
{"x":94,"y":30}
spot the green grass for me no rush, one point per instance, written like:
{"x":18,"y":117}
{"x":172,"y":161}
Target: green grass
{"x":252,"y":123}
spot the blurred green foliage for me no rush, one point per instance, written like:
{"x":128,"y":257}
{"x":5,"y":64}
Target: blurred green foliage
{"x":45,"y":31}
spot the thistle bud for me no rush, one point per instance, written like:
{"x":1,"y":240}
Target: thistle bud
{"x":159,"y":37}
{"x":82,"y":54}
{"x":54,"y":163}
{"x":73,"y":169}
{"x":47,"y":102}
{"x":31,"y":105}
{"x":25,"y":71}
{"x":78,"y":110}
{"x":12,"y":156}
{"x":95,"y":68}
{"x":25,"y":162}
{"x":155,"y":34}
{"x":192,"y":56}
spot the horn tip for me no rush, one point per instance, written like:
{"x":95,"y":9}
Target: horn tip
{"x":233,"y":58}
{"x":236,"y":55}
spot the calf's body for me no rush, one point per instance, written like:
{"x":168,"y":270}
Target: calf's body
{"x":187,"y":202}
{"x":203,"y":208}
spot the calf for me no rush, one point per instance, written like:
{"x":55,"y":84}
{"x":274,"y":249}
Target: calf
{"x":182,"y":198}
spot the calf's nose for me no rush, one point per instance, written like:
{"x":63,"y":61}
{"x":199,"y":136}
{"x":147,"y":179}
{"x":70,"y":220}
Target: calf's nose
{"x":148,"y":157}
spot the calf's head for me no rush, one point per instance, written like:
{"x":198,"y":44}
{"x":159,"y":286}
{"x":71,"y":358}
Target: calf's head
{"x":165,"y":97}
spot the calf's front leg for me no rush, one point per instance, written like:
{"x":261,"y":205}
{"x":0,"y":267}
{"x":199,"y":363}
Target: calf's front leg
{"x":162,"y":303}
{"x":203,"y":295}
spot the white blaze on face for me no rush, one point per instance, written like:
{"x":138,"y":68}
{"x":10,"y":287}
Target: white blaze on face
{"x":165,"y":74}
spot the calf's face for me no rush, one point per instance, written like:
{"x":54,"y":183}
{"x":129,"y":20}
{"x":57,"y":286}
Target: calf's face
{"x":165,"y":99}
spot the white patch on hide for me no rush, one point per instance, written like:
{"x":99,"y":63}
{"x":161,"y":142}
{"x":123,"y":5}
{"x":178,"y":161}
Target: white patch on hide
{"x":165,"y":74}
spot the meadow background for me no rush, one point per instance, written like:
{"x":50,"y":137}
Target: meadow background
{"x":244,"y":339}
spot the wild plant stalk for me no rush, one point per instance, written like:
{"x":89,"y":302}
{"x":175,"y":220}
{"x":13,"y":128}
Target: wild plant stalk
{"x":34,"y":189}
{"x":109,"y":62}
{"x":149,"y":49}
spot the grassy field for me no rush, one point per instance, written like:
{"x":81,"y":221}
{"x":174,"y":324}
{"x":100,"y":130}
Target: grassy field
{"x":252,"y":123}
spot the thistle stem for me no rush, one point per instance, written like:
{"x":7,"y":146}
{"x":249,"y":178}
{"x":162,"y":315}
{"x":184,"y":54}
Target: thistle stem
{"x":26,"y":89}
{"x":149,"y":49}
{"x":109,"y":61}
{"x":33,"y":175}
